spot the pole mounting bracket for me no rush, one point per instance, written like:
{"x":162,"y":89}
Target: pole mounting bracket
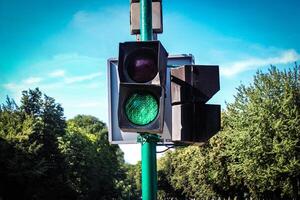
{"x":146,"y":137}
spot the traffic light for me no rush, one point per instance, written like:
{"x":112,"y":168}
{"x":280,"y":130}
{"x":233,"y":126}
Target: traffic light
{"x":194,"y":121}
{"x":142,"y":75}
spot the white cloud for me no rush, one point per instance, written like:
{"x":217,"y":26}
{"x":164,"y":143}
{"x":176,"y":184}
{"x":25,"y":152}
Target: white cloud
{"x":17,"y":88}
{"x":96,"y":23}
{"x":36,"y":82}
{"x":236,"y":67}
{"x":57,"y":73}
{"x":75,"y":79}
{"x":60,"y":62}
{"x":10,"y":86}
{"x":69,"y":61}
{"x":32,"y":80}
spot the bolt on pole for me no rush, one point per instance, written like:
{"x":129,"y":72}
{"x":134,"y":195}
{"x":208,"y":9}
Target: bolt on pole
{"x":148,"y":141}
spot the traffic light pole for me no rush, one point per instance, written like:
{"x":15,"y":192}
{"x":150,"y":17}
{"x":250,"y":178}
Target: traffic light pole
{"x":148,"y":141}
{"x":146,"y":19}
{"x":149,"y":168}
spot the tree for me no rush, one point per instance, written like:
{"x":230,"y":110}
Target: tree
{"x":33,"y":167}
{"x":264,"y":129}
{"x":95,"y":168}
{"x":132,"y":183}
{"x":176,"y":175}
{"x":256,"y":154}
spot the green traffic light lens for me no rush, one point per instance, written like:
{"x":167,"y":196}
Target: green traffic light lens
{"x":141,"y":108}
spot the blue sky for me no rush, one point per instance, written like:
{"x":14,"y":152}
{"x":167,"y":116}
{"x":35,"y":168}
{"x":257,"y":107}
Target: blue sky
{"x":62,"y":46}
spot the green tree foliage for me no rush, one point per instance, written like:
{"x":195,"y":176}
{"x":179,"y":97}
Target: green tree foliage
{"x":133,"y":181}
{"x":44,"y":157}
{"x":256,"y":154}
{"x":32,"y":166}
{"x":264,"y":128}
{"x":176,"y":177}
{"x":94,"y":166}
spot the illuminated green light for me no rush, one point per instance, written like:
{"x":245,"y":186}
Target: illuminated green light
{"x":141,"y":108}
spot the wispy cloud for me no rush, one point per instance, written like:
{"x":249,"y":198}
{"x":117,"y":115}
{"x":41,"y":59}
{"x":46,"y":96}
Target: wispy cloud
{"x":36,"y":82}
{"x":10,"y":86}
{"x":234,"y":68}
{"x":60,"y":62}
{"x":92,"y":22}
{"x":75,"y":79}
{"x":32,"y":80}
{"x":57,"y":73}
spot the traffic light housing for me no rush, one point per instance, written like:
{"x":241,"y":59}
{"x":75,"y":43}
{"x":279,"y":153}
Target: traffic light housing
{"x":142,"y":75}
{"x":194,"y":121}
{"x":194,"y":83}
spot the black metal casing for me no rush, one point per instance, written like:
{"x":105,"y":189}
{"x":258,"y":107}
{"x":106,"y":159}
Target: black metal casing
{"x":194,"y":83}
{"x":156,"y":86}
{"x":192,"y":86}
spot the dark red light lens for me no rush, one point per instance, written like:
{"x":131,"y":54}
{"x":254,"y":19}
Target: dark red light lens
{"x":142,"y":65}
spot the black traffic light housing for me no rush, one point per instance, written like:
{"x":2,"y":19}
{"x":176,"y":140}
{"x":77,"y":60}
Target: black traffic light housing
{"x":195,"y":122}
{"x":142,"y":70}
{"x":194,"y":83}
{"x":154,"y":50}
{"x":192,"y":86}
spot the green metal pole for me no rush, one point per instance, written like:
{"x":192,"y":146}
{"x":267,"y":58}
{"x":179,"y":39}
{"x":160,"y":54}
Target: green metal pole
{"x":149,"y":168}
{"x":146,"y":20}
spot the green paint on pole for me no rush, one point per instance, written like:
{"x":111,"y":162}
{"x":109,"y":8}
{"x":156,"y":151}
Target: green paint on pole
{"x":146,"y":20}
{"x":149,"y":168}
